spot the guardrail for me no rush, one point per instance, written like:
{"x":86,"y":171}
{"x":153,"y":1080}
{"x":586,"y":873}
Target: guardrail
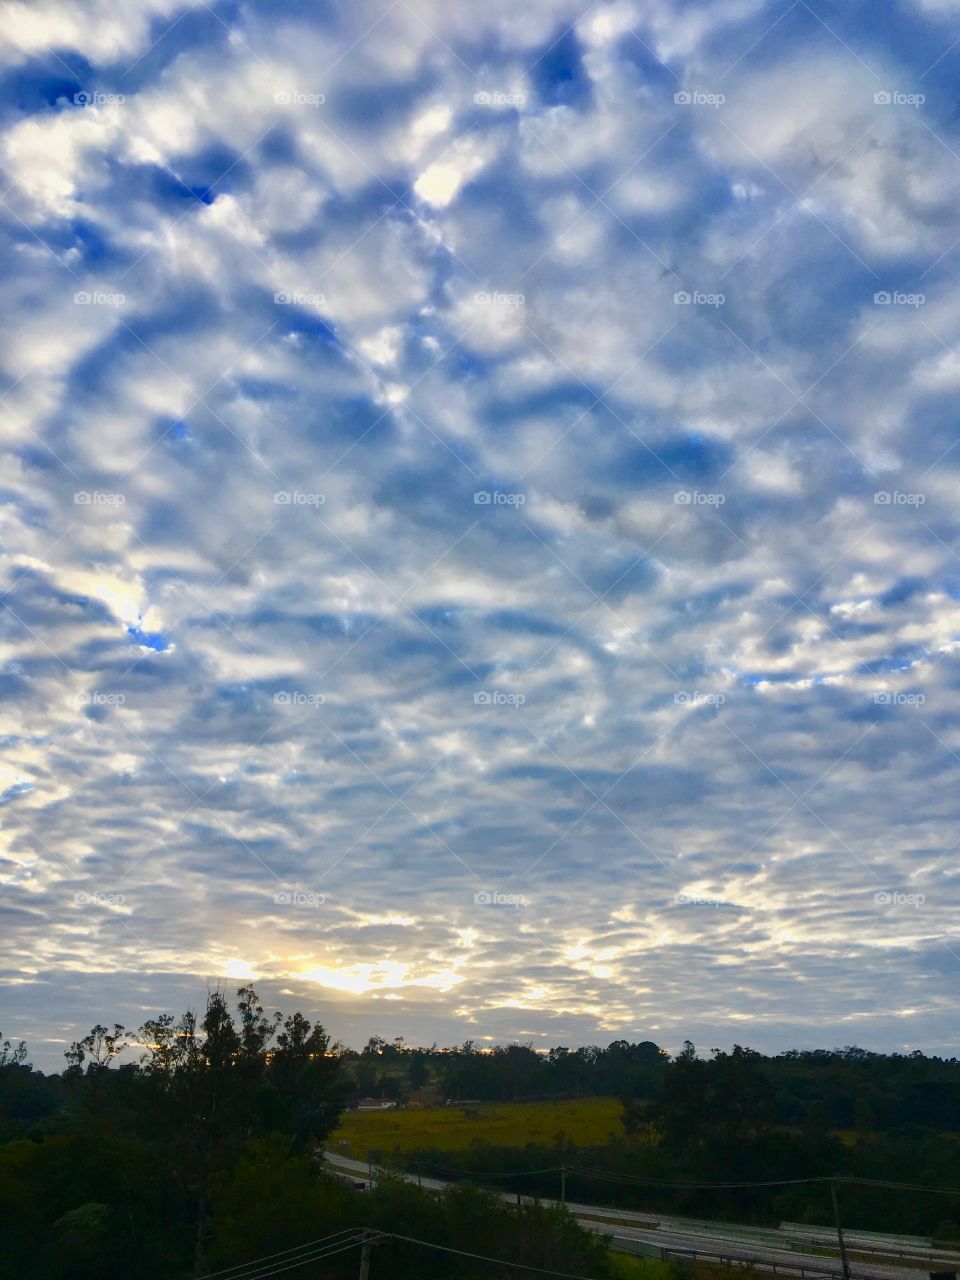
{"x":726,"y":1257}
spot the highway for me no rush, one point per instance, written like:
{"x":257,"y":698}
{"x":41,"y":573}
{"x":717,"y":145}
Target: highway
{"x":785,"y":1249}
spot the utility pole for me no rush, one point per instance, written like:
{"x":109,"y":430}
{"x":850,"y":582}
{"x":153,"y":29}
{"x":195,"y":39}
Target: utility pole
{"x":365,"y":1257}
{"x":845,"y":1266}
{"x":563,"y":1184}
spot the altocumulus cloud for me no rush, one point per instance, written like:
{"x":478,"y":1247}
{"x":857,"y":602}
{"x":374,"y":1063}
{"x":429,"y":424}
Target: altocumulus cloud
{"x":479,"y":516}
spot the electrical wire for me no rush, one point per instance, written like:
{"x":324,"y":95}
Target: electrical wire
{"x":631,"y":1179}
{"x":481,"y":1257}
{"x":328,"y":1246}
{"x":849,"y":1179}
{"x":314,"y":1257}
{"x":242,"y":1270}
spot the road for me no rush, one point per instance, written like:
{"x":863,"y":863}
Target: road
{"x":770,"y":1249}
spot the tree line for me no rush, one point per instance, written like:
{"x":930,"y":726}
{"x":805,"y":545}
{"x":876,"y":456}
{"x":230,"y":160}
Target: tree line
{"x":848,"y":1088}
{"x":191,"y":1143}
{"x":763,"y":1121}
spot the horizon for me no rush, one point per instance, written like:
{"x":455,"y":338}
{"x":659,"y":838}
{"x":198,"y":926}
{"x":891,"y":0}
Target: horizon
{"x":51,"y":1058}
{"x":480,"y":549}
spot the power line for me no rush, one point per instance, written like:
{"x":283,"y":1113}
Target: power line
{"x":482,"y":1257}
{"x":242,"y":1271}
{"x":228,"y":1271}
{"x":313,"y":1257}
{"x":849,"y":1179}
{"x":635,"y":1179}
{"x":337,"y":1242}
{"x":373,"y":1237}
{"x":902,"y":1186}
{"x":632,"y":1179}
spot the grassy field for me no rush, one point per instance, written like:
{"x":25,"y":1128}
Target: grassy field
{"x":585,"y":1121}
{"x":625,"y":1267}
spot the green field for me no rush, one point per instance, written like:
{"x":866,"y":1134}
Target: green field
{"x":625,"y":1267}
{"x":585,"y":1122}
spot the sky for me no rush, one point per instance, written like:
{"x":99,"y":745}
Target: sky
{"x":479,"y":518}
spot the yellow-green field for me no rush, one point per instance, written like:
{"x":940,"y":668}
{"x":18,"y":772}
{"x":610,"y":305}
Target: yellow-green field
{"x":625,"y":1267}
{"x":585,"y":1121}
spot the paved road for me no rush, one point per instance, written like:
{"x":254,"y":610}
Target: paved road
{"x":767,"y":1248}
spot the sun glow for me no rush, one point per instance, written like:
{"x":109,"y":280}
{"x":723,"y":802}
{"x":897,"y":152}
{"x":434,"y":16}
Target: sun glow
{"x":359,"y":979}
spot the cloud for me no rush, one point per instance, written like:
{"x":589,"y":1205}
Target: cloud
{"x":479,"y":520}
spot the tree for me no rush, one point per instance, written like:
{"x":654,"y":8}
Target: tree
{"x":12,"y":1055}
{"x":100,"y":1046}
{"x":309,"y":1077}
{"x":418,"y":1071}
